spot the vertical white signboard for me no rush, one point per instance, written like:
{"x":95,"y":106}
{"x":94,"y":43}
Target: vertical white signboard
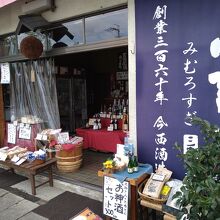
{"x":5,"y":73}
{"x":11,"y":133}
{"x":116,"y":195}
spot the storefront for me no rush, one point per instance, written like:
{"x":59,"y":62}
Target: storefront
{"x":154,"y":141}
{"x":89,"y":52}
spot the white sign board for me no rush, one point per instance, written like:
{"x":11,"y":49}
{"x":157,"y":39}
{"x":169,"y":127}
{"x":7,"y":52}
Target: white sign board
{"x":11,"y":133}
{"x":63,"y":137}
{"x":5,"y":73}
{"x":25,"y":133}
{"x":116,"y":195}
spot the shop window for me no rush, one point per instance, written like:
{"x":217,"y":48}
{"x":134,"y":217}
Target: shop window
{"x":102,"y":27}
{"x":8,"y":46}
{"x":106,"y":26}
{"x":66,"y":35}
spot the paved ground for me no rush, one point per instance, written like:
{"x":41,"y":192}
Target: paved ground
{"x":16,"y":202}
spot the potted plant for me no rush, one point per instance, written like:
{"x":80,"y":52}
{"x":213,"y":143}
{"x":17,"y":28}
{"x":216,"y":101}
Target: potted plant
{"x":199,"y":198}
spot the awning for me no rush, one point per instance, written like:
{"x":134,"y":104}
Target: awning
{"x":33,"y":22}
{"x":30,"y":23}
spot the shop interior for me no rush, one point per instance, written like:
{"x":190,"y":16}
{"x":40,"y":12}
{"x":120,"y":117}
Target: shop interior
{"x":87,"y":84}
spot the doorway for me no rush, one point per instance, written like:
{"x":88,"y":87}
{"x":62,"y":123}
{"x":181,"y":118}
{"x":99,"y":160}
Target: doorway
{"x":86,"y":82}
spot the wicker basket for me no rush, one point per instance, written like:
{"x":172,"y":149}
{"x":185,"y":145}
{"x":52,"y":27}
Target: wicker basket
{"x":119,"y":168}
{"x":149,"y":198}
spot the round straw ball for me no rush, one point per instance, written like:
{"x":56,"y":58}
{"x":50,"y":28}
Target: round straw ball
{"x":31,"y":47}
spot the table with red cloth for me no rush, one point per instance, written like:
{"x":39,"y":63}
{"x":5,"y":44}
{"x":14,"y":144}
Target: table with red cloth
{"x":106,"y":121}
{"x":101,"y":140}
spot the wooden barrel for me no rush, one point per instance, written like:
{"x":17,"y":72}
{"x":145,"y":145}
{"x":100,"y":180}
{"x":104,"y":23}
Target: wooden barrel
{"x":69,"y":160}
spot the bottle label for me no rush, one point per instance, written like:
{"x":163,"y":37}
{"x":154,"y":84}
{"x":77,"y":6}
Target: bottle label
{"x":135,"y":169}
{"x":130,"y":170}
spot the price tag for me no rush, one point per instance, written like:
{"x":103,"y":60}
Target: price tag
{"x":44,"y":137}
{"x":39,"y":137}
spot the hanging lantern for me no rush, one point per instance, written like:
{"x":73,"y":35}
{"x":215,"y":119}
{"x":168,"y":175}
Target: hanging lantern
{"x":31,"y":47}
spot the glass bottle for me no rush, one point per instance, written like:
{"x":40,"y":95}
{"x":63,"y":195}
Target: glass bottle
{"x":111,"y":125}
{"x":130,"y":166}
{"x":116,"y":124}
{"x":99,"y":124}
{"x":95,"y":125}
{"x":125,"y":120}
{"x":135,"y":164}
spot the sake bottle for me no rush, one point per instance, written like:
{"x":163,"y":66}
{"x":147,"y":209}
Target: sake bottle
{"x":130,"y":166}
{"x":135,"y":164}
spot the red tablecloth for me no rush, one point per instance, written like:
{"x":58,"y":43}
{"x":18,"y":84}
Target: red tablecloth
{"x":106,"y":121}
{"x":101,"y":140}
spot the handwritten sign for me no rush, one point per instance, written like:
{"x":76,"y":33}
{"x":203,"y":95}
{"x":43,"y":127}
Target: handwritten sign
{"x":63,"y":137}
{"x":5,"y":73}
{"x":25,"y":133}
{"x":116,"y":195}
{"x":11,"y":133}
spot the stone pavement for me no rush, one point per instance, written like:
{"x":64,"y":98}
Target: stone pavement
{"x":16,"y":202}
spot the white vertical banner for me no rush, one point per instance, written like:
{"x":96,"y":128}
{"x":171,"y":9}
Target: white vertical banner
{"x":116,"y":197}
{"x":11,"y":133}
{"x":5,"y":73}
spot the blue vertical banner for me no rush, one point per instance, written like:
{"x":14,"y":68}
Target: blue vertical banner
{"x":178,"y":75}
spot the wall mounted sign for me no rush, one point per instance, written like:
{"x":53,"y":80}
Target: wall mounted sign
{"x":5,"y":73}
{"x":116,"y":195}
{"x":178,"y":76}
{"x":11,"y":133}
{"x":25,"y":133}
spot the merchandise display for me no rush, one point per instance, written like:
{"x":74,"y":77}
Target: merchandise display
{"x":9,"y":153}
{"x":114,"y":117}
{"x":19,"y":155}
{"x":156,"y":186}
{"x":30,"y":119}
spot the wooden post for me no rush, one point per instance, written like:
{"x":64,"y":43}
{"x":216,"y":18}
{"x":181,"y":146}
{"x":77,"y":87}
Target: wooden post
{"x":2,"y":118}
